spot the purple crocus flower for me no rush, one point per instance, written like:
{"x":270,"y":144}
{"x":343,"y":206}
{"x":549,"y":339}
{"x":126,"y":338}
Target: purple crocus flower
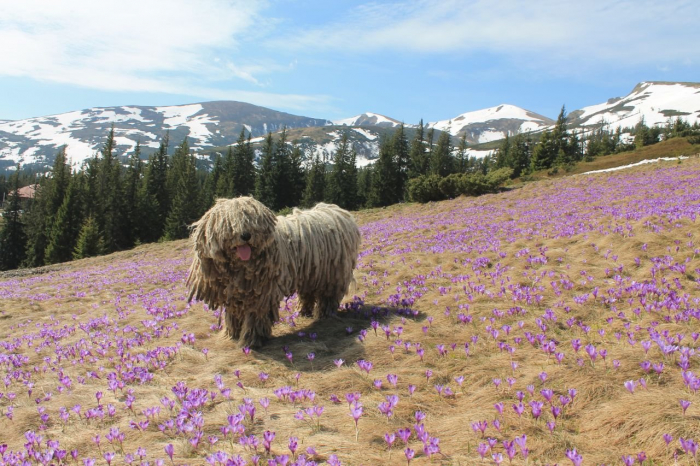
{"x":574,"y":456}
{"x":409,"y":455}
{"x":684,"y":405}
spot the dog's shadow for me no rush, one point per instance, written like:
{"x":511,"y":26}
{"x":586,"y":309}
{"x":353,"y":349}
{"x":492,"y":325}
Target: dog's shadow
{"x":317,"y":345}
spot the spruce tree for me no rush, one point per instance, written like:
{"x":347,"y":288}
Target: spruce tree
{"x":132,"y":185}
{"x":461,"y":162}
{"x":244,"y":167}
{"x":561,"y":150}
{"x":148,"y":222}
{"x":210,"y":184}
{"x":364,"y":185}
{"x":282,"y":172}
{"x":297,"y":176}
{"x":401,"y":152}
{"x":503,"y":155}
{"x":384,"y":175}
{"x":441,"y":161}
{"x":314,"y":192}
{"x":544,"y":154}
{"x":90,"y":243}
{"x":157,"y":184}
{"x":13,"y":240}
{"x":265,"y":189}
{"x":111,"y":197}
{"x":519,"y":155}
{"x":66,"y":227}
{"x":418,"y":159}
{"x":225,"y":184}
{"x":184,"y":207}
{"x":42,"y":214}
{"x":342,"y":189}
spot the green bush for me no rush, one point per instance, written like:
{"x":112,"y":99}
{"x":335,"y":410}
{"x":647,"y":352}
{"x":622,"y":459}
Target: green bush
{"x":435,"y":188}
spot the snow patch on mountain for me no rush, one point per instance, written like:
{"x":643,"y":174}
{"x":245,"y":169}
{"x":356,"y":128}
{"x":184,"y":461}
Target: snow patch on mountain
{"x":369,"y":119}
{"x":365,"y":133}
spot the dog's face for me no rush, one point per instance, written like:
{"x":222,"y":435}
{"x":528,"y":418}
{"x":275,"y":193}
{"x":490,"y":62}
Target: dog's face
{"x":235,"y":230}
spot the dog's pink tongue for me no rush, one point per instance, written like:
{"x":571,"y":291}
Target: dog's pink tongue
{"x":243,"y":252}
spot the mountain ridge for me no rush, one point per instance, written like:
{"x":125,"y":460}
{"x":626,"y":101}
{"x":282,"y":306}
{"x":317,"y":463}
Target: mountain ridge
{"x":216,"y":124}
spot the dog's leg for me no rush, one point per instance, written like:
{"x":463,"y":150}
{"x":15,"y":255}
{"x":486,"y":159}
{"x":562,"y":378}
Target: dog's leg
{"x":307,"y":304}
{"x":255,"y":330}
{"x":233,"y":323}
{"x":327,"y":306}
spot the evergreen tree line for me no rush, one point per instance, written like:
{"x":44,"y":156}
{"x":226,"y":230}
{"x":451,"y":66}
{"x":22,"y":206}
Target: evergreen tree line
{"x":103,"y":207}
{"x":560,"y":148}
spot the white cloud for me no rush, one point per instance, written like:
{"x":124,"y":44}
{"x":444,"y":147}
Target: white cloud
{"x":621,"y":32}
{"x":174,"y":46}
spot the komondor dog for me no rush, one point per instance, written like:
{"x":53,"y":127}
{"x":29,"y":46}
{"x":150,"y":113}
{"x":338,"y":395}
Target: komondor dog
{"x":246,"y":260}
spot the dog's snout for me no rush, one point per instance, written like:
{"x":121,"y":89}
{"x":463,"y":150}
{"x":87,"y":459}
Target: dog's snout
{"x":245,"y":236}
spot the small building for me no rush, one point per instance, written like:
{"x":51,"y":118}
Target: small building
{"x":28,"y":192}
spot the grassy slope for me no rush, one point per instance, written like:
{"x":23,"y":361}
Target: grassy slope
{"x":136,"y":299}
{"x":675,"y":147}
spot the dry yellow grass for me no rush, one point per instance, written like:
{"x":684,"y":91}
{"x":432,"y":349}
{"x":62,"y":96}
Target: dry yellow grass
{"x":603,"y":422}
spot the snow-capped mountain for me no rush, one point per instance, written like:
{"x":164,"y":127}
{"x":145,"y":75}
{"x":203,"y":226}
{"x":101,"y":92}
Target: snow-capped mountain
{"x":369,"y":119}
{"x":209,"y":124}
{"x":655,"y":102}
{"x":492,"y":124}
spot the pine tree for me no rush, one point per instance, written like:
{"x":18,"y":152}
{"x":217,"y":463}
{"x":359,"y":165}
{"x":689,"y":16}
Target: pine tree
{"x":364,"y":185}
{"x":48,"y":199}
{"x":418,"y":160}
{"x":265,"y":189}
{"x":503,"y":155}
{"x":132,"y":184}
{"x":66,"y":227}
{"x":184,"y":207}
{"x":157,"y":185}
{"x":58,"y":184}
{"x":297,"y":176}
{"x":384,"y":175}
{"x":401,"y":151}
{"x":461,"y":162}
{"x":314,"y":191}
{"x":225,"y":184}
{"x":210,"y":184}
{"x":544,"y":154}
{"x":642,"y":135}
{"x":243,"y":167}
{"x":342,"y":189}
{"x":13,"y":240}
{"x":441,"y":161}
{"x":148,"y":222}
{"x":111,"y":211}
{"x":282,"y":172}
{"x":561,"y":150}
{"x":90,"y":243}
{"x":519,"y":155}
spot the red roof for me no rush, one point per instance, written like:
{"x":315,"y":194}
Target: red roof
{"x":28,"y":192}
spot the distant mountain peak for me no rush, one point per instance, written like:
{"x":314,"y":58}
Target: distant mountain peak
{"x":369,"y":119}
{"x":653,"y":101}
{"x":493,"y":123}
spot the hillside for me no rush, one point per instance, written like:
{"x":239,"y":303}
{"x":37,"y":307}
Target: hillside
{"x":554,"y":321}
{"x":492,"y":124}
{"x":653,"y":102}
{"x":208,"y":124}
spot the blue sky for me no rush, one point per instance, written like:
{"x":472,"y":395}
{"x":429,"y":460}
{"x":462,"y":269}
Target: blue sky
{"x":338,"y":58}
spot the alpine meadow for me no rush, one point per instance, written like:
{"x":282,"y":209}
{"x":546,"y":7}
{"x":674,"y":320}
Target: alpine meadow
{"x":350,"y":233}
